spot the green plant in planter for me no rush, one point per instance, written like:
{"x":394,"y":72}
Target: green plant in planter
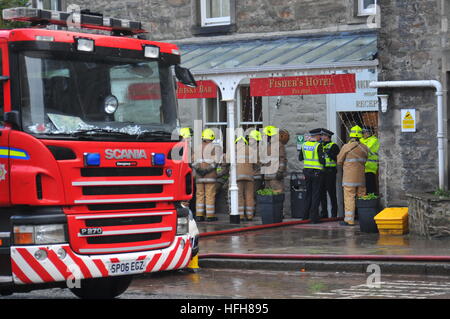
{"x":369,"y":196}
{"x":441,"y":193}
{"x":267,"y":192}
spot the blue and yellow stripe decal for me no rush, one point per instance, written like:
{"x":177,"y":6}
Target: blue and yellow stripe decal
{"x":6,"y":152}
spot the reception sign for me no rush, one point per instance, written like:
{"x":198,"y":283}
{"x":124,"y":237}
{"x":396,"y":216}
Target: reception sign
{"x":204,"y":89}
{"x":303,"y":85}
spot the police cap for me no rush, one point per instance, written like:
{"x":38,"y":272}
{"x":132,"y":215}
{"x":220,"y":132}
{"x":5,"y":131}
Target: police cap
{"x":316,"y":131}
{"x":327,"y":132}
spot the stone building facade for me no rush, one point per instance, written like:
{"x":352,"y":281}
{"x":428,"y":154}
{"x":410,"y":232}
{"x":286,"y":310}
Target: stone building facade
{"x":412,"y":43}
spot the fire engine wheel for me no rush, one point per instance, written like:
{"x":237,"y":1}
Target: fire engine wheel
{"x":102,"y":288}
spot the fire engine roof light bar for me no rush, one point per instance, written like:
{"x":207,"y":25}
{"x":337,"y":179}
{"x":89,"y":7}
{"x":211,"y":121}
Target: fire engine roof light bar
{"x":85,"y":45}
{"x":151,"y":51}
{"x":83,"y":19}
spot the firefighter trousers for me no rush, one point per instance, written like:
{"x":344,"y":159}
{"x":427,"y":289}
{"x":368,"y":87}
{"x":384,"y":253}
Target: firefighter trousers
{"x":205,"y":199}
{"x":350,"y":194}
{"x":246,"y":197}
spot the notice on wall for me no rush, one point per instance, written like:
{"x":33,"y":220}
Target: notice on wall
{"x":364,"y":99}
{"x":408,"y":118}
{"x":303,"y":85}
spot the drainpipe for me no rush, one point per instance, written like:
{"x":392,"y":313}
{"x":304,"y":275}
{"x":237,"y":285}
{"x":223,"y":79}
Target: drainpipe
{"x":440,"y":115}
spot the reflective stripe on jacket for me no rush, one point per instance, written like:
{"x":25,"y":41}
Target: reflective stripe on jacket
{"x":311,"y":155}
{"x":328,"y":161}
{"x":373,"y":144}
{"x":352,"y":157}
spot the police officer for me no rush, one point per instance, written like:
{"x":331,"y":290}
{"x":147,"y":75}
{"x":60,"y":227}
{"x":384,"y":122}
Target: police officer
{"x":353,"y":157}
{"x":371,"y":169}
{"x":206,"y":177}
{"x":331,"y":151}
{"x":313,"y":159}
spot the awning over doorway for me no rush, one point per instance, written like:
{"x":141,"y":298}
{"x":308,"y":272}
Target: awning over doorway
{"x":279,"y":53}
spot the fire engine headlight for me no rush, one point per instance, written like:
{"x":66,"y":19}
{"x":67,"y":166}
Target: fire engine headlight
{"x":111,"y":104}
{"x":182,"y":221}
{"x":49,"y":234}
{"x":39,"y":234}
{"x":85,"y":45}
{"x":151,"y":52}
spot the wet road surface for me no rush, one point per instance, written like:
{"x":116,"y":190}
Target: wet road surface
{"x":324,"y":238}
{"x":254,"y":284}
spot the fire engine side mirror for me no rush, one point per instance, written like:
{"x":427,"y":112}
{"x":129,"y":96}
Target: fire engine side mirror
{"x":13,"y":118}
{"x":185,"y":76}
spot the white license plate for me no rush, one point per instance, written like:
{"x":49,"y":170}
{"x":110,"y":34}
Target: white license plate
{"x":127,"y":267}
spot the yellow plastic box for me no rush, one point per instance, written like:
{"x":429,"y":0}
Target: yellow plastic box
{"x":392,"y":221}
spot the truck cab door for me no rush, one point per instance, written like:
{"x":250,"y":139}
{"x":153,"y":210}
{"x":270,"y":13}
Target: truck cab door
{"x":4,"y":130}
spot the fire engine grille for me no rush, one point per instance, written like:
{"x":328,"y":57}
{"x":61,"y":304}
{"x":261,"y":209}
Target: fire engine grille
{"x":123,"y":239}
{"x":121,"y":231}
{"x":104,"y":222}
{"x":119,"y":190}
{"x":121,"y":171}
{"x":121,"y":206}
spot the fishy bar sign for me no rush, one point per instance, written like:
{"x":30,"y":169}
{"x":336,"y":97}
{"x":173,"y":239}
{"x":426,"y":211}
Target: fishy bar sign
{"x":303,"y":85}
{"x":204,"y":89}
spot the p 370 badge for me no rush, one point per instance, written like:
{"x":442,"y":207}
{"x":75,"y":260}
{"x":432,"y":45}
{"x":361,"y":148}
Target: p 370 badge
{"x":91,"y":231}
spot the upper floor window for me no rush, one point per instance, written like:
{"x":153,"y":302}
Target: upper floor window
{"x":215,"y":12}
{"x":55,"y":5}
{"x":367,"y":7}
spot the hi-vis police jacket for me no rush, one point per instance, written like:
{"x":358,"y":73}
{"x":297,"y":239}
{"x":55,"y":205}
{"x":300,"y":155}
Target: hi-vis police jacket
{"x":352,"y":158}
{"x":373,"y":144}
{"x":312,"y":156}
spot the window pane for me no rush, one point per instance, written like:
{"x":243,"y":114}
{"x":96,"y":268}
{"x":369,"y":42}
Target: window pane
{"x":217,"y":8}
{"x":368,"y":4}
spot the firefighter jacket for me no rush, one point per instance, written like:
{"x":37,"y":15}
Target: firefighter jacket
{"x":373,"y":144}
{"x":244,"y":166}
{"x":352,"y":158}
{"x":277,"y":161}
{"x":206,"y":163}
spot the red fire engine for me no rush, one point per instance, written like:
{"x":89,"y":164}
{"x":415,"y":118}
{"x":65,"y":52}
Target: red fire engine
{"x":89,"y":192}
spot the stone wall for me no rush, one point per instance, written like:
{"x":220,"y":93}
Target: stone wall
{"x":428,"y":215}
{"x":409,"y":49}
{"x":175,"y":19}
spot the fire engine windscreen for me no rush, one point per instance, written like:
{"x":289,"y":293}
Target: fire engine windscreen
{"x":66,"y":95}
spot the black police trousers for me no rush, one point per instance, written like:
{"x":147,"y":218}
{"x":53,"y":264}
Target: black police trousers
{"x":314,"y":181}
{"x":329,"y":187}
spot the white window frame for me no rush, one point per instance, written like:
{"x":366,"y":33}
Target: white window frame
{"x":55,"y":3}
{"x":253,"y":122}
{"x":362,"y":11}
{"x":216,"y":121}
{"x":224,"y":20}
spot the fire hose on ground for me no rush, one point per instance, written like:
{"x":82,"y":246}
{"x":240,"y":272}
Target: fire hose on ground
{"x":309,"y":257}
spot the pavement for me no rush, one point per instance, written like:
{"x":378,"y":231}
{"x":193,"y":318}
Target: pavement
{"x":318,"y":247}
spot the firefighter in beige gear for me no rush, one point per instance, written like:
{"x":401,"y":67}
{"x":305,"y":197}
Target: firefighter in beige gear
{"x":352,"y":158}
{"x":254,"y":137}
{"x":245,"y":181}
{"x":206,"y":177}
{"x":274,"y":171}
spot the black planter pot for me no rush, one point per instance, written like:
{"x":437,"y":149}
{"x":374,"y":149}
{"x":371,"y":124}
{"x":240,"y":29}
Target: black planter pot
{"x":270,"y":208}
{"x":369,"y":203}
{"x":367,"y":210}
